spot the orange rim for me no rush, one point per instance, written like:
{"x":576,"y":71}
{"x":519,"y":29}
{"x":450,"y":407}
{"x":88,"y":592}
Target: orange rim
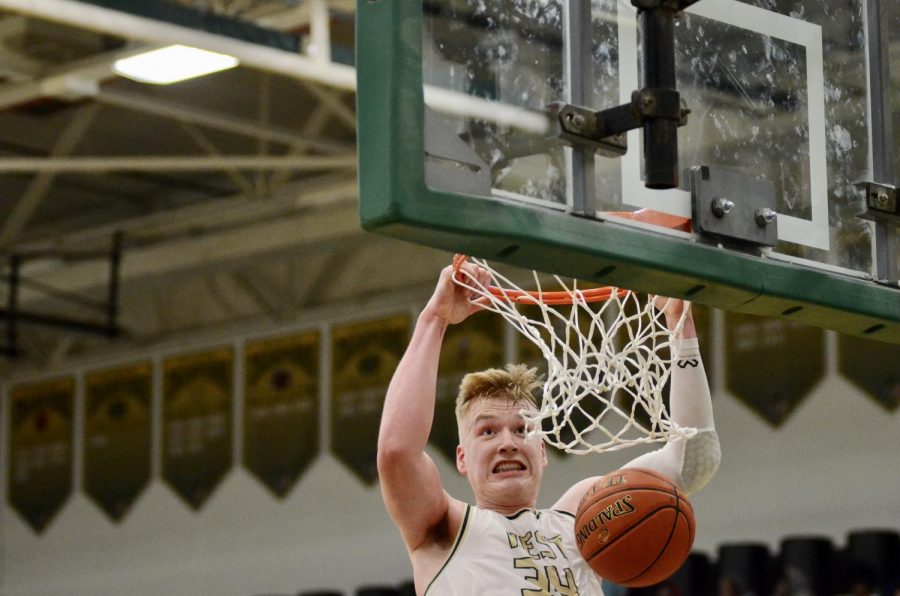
{"x":549,"y":298}
{"x":656,"y":218}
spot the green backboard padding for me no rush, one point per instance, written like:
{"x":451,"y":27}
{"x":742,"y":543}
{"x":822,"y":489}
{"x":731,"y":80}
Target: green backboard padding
{"x":395,"y":201}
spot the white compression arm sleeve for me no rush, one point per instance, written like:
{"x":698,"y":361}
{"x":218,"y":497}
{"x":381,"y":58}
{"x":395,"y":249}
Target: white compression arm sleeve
{"x":690,"y":463}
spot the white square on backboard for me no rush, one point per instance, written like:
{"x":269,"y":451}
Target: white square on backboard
{"x":813,"y":232}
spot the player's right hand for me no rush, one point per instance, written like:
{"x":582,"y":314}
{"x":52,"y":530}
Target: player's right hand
{"x":453,"y":303}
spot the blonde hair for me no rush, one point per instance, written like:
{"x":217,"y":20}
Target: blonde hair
{"x":516,"y":383}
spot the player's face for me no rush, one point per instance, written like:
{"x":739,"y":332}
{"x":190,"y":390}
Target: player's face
{"x":503,"y":468}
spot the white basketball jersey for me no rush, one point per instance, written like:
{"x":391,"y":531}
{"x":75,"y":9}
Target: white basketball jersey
{"x":529,"y":553}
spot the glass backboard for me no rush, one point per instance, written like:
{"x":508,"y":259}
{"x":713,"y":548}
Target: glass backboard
{"x":459,"y":150}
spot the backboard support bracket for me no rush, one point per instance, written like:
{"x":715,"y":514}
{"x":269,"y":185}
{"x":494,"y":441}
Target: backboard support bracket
{"x":882,"y":202}
{"x":604,"y":130}
{"x":657,"y":107}
{"x":733,"y":208}
{"x":583,"y":126}
{"x":883,"y":208}
{"x":450,"y":164}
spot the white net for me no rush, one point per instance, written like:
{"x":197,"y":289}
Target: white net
{"x":608,"y":362}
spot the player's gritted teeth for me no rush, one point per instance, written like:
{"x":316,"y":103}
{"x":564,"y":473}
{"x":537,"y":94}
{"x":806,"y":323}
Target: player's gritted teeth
{"x":509,"y":466}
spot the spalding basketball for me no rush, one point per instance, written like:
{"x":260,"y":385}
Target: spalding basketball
{"x":634,"y":527}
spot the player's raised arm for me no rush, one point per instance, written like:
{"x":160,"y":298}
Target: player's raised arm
{"x":410,"y":484}
{"x":689,"y":463}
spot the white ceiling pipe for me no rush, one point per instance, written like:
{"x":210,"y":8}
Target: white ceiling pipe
{"x":112,"y":22}
{"x":184,"y":163}
{"x":320,"y":31}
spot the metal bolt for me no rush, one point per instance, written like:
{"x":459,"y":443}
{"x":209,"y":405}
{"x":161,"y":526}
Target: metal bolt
{"x":683,"y":113}
{"x":575,"y":121}
{"x":722,"y":207}
{"x":882,"y":198}
{"x":765,"y":216}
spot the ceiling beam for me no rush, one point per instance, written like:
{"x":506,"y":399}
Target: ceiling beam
{"x":206,"y":118}
{"x":263,"y":295}
{"x":114,"y":22}
{"x":294,"y":17}
{"x":309,"y":193}
{"x":220,"y":250}
{"x":73,"y":78}
{"x":298,"y":66}
{"x":39,"y":186}
{"x":239,"y":180}
{"x":14,"y":63}
{"x":182,"y":163}
{"x":319,"y":47}
{"x":223,"y":297}
{"x":313,"y":126}
{"x":334,"y":104}
{"x":321,"y":282}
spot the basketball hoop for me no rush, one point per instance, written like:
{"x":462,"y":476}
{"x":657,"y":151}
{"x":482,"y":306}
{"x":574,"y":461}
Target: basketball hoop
{"x":609,"y":355}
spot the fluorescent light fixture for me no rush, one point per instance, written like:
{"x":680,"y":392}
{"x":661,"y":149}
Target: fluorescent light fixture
{"x":172,"y":64}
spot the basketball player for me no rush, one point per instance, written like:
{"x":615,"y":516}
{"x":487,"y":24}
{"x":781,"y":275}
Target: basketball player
{"x":502,"y":544}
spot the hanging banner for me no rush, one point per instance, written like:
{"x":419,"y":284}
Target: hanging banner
{"x":364,"y":357}
{"x":473,"y":345}
{"x":40,"y":449}
{"x":197,"y":419}
{"x":117,"y":436}
{"x":281,"y":409}
{"x":772,"y":364}
{"x":873,"y":366}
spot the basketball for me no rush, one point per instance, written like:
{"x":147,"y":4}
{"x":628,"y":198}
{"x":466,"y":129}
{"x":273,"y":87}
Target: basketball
{"x":634,"y":527}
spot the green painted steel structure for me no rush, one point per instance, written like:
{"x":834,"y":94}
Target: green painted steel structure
{"x":395,"y":201}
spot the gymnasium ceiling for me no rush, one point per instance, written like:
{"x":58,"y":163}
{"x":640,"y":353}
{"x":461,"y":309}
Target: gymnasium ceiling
{"x":235,"y":193}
